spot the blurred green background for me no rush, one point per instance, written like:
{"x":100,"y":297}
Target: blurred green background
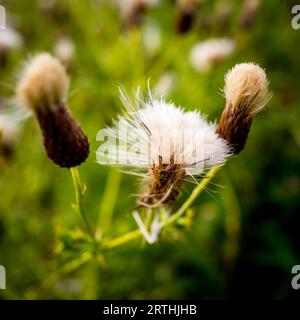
{"x":244,"y":238}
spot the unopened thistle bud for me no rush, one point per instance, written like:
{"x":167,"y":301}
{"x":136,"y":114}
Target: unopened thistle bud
{"x":246,"y":93}
{"x":186,"y":11}
{"x":43,"y":89}
{"x":132,"y":11}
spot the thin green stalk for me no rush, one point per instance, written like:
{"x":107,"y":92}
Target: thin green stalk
{"x":79,"y":191}
{"x":173,"y":218}
{"x":122,"y":239}
{"x":61,"y":272}
{"x":195,"y":193}
{"x":67,"y":268}
{"x":109,"y":199}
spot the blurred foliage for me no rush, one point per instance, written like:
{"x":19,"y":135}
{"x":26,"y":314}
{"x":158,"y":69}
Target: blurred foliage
{"x":243,"y":240}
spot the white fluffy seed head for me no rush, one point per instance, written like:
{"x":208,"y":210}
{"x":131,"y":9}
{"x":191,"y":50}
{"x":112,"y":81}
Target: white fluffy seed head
{"x":43,"y":83}
{"x":246,"y":86}
{"x":165,"y":144}
{"x":165,"y":134}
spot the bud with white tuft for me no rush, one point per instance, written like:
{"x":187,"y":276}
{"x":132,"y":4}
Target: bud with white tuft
{"x":43,"y":89}
{"x":246,"y":93}
{"x":132,"y":11}
{"x":186,"y":11}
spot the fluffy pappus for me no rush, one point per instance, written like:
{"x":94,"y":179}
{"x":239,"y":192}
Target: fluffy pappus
{"x":166,"y":144}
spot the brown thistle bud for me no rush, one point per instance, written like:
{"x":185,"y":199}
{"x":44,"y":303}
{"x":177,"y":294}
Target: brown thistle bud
{"x":185,"y":13}
{"x":246,"y":93}
{"x":249,"y":13}
{"x":43,"y":89}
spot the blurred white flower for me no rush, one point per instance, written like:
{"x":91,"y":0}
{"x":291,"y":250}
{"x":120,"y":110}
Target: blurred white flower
{"x":64,"y":51}
{"x":152,"y":40}
{"x":10,"y":127}
{"x":10,"y":39}
{"x":8,"y":130}
{"x":206,"y":54}
{"x":165,"y":84}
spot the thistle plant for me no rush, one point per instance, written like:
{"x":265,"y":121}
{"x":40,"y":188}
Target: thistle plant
{"x":174,"y":146}
{"x":42,"y":88}
{"x":178,"y":145}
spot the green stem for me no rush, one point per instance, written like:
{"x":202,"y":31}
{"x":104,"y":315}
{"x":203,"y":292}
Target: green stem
{"x":173,"y":218}
{"x":195,"y":193}
{"x":109,"y":199}
{"x":79,"y":191}
{"x":66,"y":269}
{"x":53,"y":278}
{"x":122,"y":239}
